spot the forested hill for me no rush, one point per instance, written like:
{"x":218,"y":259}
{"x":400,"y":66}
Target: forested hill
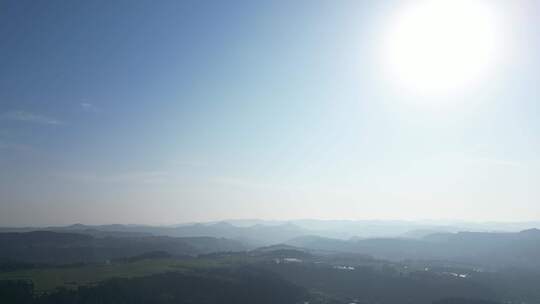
{"x":65,"y":248}
{"x":234,"y":286}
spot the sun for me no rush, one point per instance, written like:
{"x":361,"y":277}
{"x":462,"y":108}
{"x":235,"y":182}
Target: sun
{"x":441,"y":45}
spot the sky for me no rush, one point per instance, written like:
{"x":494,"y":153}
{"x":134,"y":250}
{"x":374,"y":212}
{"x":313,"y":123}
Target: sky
{"x":161,"y":112}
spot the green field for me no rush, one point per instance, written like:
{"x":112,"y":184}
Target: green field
{"x":46,"y":279}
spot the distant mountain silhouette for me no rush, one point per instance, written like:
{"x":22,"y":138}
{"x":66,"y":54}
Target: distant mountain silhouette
{"x":521,"y":249}
{"x":256,"y":233}
{"x":488,"y":248}
{"x":252,"y":236}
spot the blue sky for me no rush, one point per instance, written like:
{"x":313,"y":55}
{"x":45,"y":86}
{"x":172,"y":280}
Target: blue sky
{"x":172,"y":111}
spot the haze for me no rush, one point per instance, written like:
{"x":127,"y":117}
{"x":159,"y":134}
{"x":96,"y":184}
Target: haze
{"x":185,"y":111}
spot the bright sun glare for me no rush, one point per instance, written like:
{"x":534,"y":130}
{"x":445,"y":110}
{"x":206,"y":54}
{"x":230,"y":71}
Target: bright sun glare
{"x":441,"y":46}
